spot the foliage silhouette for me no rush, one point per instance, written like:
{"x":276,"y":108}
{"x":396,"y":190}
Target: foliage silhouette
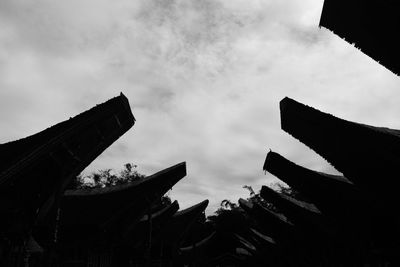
{"x":107,"y":177}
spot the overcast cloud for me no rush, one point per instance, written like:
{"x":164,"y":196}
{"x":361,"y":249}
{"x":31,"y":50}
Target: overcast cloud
{"x":204,"y":79}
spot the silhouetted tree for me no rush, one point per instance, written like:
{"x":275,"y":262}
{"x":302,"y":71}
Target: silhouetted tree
{"x":106,"y":177}
{"x":286,"y":190}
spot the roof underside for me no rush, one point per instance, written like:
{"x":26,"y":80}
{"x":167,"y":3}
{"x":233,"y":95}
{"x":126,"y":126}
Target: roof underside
{"x":181,"y":222}
{"x":361,"y":152}
{"x":35,"y":170}
{"x":330,"y":193}
{"x":372,"y":25}
{"x":120,"y":205}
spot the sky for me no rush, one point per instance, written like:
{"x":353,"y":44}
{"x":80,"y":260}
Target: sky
{"x":204,"y":79}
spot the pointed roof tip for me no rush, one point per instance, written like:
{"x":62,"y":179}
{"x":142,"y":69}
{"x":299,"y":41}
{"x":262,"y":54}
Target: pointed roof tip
{"x":203,"y":204}
{"x":122,"y":96}
{"x":197,"y":208}
{"x":175,"y":202}
{"x":268,"y":190}
{"x":272,"y":157}
{"x":284,"y":106}
{"x":285,"y":102}
{"x":270,"y":154}
{"x":183,"y":164}
{"x":125,"y":103}
{"x":177,"y":165}
{"x":285,"y":99}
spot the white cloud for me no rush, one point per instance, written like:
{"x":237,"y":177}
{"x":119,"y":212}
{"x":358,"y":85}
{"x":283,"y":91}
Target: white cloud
{"x":204,"y":79}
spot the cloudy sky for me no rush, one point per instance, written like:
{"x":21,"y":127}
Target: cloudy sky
{"x":204,"y":79}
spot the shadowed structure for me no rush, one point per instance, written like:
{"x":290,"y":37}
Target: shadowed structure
{"x":138,"y":233}
{"x":303,"y":214}
{"x":230,"y":240}
{"x":276,"y":225}
{"x":346,"y":210}
{"x":180,"y":223}
{"x":372,"y":25}
{"x":100,"y":221}
{"x":34,"y":171}
{"x":333,"y":194}
{"x":116,"y":208}
{"x":368,"y":156}
{"x":363,"y":207}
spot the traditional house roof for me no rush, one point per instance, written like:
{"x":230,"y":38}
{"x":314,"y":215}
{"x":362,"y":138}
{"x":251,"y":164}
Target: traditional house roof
{"x":162,"y":214}
{"x":174,"y":232}
{"x":333,"y":194}
{"x":136,"y":234}
{"x":302,"y":214}
{"x":371,"y":25}
{"x":368,"y":156}
{"x":275,"y":224}
{"x":288,"y":202}
{"x":34,"y":171}
{"x":198,"y":245}
{"x":117,"y":208}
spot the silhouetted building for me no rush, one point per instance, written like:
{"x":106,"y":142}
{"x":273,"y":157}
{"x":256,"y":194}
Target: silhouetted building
{"x":345,"y":220}
{"x":34,"y":171}
{"x":94,"y":223}
{"x":371,"y":25}
{"x":361,"y":152}
{"x":332,"y":194}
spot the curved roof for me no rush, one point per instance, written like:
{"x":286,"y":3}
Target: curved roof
{"x":281,"y":200}
{"x":136,"y":233}
{"x":304,"y":215}
{"x":249,"y":206}
{"x":34,"y":171}
{"x":105,"y":206}
{"x":168,"y":211}
{"x":361,"y":152}
{"x":19,"y":154}
{"x":181,"y":222}
{"x":277,"y":225}
{"x":163,"y":179}
{"x":280,"y":166}
{"x":330,"y":193}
